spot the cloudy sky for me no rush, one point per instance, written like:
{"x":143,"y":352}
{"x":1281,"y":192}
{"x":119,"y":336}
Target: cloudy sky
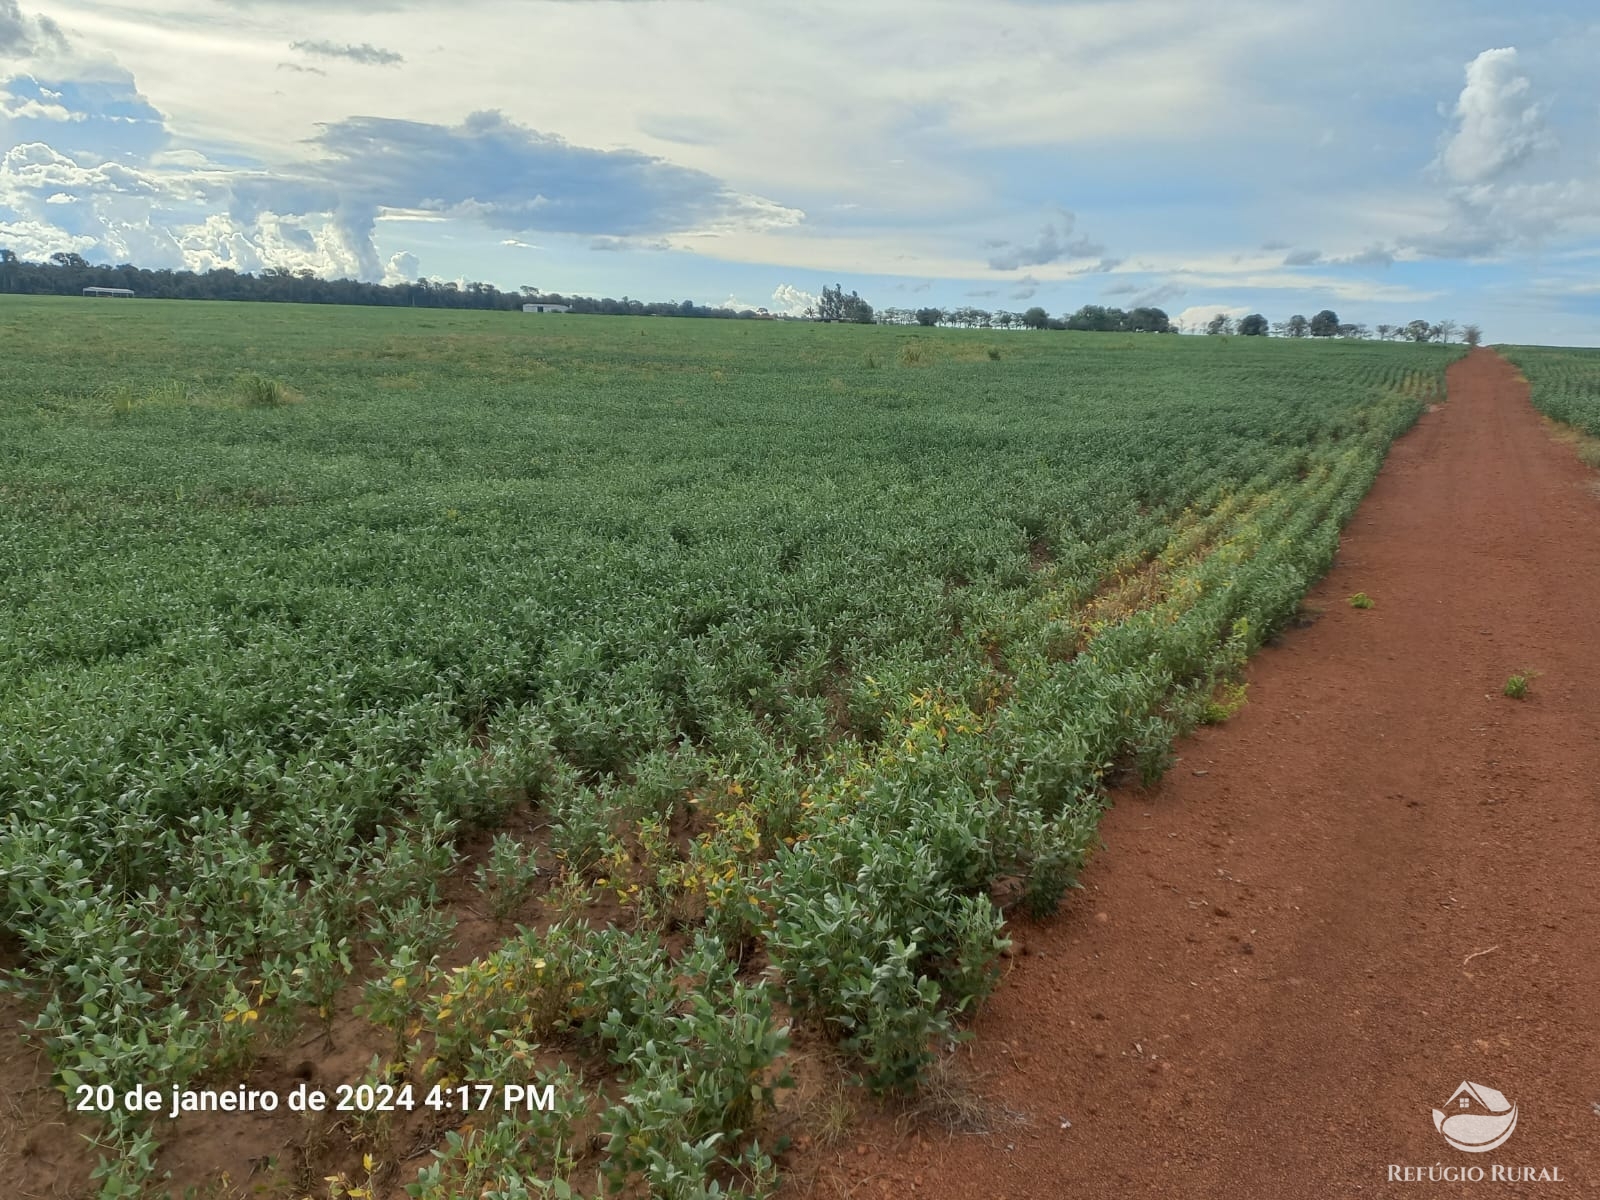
{"x":1429,"y":158}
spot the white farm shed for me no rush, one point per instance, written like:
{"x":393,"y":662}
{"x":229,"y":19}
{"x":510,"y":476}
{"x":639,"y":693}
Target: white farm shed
{"x":546,"y":308}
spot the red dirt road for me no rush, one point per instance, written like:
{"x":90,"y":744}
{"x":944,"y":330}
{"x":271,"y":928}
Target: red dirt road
{"x":1380,"y":879}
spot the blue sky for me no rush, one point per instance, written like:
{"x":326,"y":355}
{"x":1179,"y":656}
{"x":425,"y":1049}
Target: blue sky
{"x":1435,"y":159}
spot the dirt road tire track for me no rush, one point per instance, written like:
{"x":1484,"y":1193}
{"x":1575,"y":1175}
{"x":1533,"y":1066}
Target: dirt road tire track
{"x":1264,"y":987}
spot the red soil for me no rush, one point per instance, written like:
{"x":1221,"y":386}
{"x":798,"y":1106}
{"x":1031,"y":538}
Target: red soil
{"x":1380,"y":879}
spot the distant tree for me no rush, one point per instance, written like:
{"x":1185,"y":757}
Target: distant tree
{"x":1004,"y":319}
{"x":1092,"y":318}
{"x":834,"y":305}
{"x":1255,"y":325}
{"x":1419,"y":331}
{"x":1219,"y":325}
{"x":929,"y":316}
{"x":1385,"y":332}
{"x":1036,"y":318}
{"x":1325,"y":323}
{"x":1473,"y":336}
{"x":1299,"y":326}
{"x":1097,"y":318}
{"x":1147,"y":320}
{"x":1448,"y":331}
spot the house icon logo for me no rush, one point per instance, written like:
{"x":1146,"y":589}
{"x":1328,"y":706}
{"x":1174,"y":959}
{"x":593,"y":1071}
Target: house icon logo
{"x":1476,"y":1119}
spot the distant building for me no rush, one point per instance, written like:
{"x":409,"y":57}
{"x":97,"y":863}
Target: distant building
{"x":114,"y":293}
{"x":546,"y":308}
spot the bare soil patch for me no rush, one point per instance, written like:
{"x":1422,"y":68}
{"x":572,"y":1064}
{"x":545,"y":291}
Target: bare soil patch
{"x":1380,"y":879}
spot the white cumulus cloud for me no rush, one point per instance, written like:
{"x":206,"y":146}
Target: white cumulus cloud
{"x":1196,"y":315}
{"x":1497,"y":123}
{"x":401,"y":268}
{"x":786,"y":298}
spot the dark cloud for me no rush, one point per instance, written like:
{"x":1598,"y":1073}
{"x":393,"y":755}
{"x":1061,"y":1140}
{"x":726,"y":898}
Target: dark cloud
{"x":1144,"y":296}
{"x":21,"y":36}
{"x":489,"y":170}
{"x":1157,"y":296}
{"x":1372,"y":256}
{"x":1046,"y":248}
{"x":614,"y":244}
{"x":297,"y":68}
{"x":251,"y":195}
{"x":519,"y":180}
{"x":1027,"y":287}
{"x":366,"y":54}
{"x":1054,"y":242}
{"x":1461,"y":240}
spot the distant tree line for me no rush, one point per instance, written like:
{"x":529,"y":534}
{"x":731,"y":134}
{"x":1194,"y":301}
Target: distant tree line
{"x":68,"y":274}
{"x":1093,"y":317}
{"x":1327,"y":324}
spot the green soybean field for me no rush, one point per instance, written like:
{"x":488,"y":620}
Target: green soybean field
{"x":561,"y":738}
{"x":1565,"y":383}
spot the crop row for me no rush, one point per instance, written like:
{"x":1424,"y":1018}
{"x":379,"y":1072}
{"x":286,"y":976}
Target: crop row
{"x":1565,"y":383}
{"x":773,"y":676}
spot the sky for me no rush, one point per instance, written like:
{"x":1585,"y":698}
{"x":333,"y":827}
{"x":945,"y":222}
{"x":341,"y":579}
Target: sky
{"x":1433,"y":159}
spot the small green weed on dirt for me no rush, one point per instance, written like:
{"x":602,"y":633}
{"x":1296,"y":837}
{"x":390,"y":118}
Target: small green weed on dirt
{"x":1361,"y":600}
{"x":1516,"y":687}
